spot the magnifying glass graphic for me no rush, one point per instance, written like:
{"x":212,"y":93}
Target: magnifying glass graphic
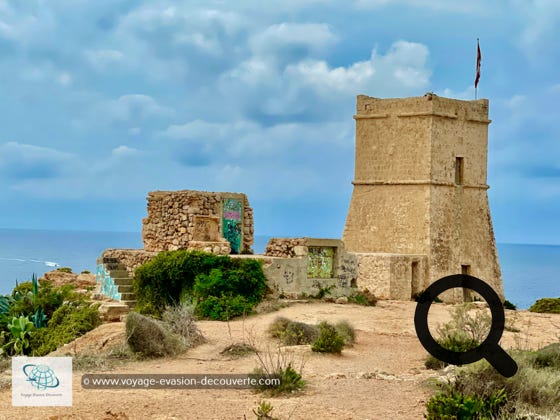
{"x":489,"y":348}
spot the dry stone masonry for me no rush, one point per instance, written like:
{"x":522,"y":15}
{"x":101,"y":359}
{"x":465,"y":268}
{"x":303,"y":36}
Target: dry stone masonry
{"x":221,"y":223}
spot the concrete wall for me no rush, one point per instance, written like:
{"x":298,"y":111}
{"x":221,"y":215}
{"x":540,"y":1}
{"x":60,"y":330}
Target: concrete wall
{"x":288,"y":274}
{"x":405,"y":198}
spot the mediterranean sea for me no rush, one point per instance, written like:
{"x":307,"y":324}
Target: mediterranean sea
{"x":529,"y":272}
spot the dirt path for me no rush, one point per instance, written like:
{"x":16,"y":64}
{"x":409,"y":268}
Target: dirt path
{"x":382,"y":376}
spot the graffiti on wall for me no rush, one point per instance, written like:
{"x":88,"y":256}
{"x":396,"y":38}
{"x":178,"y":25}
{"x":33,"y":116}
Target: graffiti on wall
{"x":232,"y":219}
{"x":320,"y":262}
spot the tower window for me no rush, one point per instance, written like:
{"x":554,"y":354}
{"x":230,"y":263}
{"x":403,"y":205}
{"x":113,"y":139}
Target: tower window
{"x":459,"y":170}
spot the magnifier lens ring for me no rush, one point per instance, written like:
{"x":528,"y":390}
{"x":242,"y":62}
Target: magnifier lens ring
{"x":450,"y":282}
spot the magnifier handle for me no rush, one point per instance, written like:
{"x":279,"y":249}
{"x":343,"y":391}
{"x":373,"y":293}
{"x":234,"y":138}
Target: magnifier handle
{"x":501,"y":361}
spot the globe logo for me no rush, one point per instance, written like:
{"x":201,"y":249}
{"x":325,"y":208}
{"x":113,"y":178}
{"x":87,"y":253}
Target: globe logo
{"x":40,"y":376}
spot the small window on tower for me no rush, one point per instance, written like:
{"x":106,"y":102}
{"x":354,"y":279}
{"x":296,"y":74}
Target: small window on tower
{"x":459,"y":169}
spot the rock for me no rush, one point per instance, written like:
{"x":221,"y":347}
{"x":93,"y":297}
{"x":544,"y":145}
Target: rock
{"x":113,"y":311}
{"x":342,"y":300}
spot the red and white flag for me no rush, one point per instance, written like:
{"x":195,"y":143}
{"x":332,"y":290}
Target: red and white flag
{"x":478,"y":60}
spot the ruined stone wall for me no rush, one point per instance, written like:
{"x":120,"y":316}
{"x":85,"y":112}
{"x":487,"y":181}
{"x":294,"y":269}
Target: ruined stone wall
{"x":130,"y":258}
{"x":209,"y":221}
{"x":286,"y":247}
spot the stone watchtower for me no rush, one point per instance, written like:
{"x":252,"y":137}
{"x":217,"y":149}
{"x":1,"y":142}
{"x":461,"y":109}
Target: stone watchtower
{"x":420,"y":189}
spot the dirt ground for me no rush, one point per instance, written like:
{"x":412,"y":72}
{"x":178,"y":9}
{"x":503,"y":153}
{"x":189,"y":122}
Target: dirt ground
{"x":381,"y":377}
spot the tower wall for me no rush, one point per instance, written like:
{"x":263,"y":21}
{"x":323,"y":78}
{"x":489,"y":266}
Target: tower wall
{"x":420,"y":186}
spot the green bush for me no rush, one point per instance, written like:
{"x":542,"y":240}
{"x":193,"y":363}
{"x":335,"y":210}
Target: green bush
{"x":453,"y":405}
{"x":67,"y":323}
{"x":293,"y":333}
{"x":346,"y":331}
{"x":150,"y":338}
{"x":223,"y":308}
{"x":64,"y":269}
{"x":290,"y":380}
{"x":172,"y":275}
{"x":546,"y":305}
{"x":547,"y":357}
{"x":329,"y":340}
{"x":509,"y":305}
{"x":533,"y":389}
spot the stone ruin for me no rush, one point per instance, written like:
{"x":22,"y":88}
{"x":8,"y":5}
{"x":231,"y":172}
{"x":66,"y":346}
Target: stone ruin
{"x":221,"y":223}
{"x":419,"y":211}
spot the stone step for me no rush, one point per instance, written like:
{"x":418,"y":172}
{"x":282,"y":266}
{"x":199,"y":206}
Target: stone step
{"x":122,"y":281}
{"x":114,"y":266}
{"x":127,"y":296}
{"x":117,"y":273}
{"x":125,"y":288}
{"x":130,"y":303}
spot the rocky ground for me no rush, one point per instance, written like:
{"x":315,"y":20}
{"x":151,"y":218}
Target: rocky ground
{"x":382,"y":376}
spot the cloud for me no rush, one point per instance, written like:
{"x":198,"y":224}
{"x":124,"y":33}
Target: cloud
{"x":132,"y":107}
{"x":101,"y":59}
{"x":23,"y":161}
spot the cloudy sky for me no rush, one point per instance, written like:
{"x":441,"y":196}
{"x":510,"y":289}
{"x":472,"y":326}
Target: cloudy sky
{"x":103,"y":101}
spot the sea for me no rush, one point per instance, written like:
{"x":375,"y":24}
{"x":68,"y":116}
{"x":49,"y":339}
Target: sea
{"x":529,"y":272}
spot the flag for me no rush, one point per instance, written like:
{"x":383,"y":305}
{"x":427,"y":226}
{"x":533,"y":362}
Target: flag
{"x":478,"y":60}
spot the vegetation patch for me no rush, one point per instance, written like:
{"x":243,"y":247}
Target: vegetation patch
{"x":292,"y":333}
{"x":365,"y":298}
{"x":37,"y":318}
{"x":329,"y":340}
{"x":150,"y":338}
{"x":346,"y":331}
{"x":220,"y":287}
{"x":531,"y":393}
{"x":546,"y":306}
{"x":238,"y":350}
{"x":466,"y":330}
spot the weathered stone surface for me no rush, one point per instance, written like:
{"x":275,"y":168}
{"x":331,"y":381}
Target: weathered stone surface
{"x":113,"y":311}
{"x":185,"y":219}
{"x":129,"y":258}
{"x":60,"y":278}
{"x":420,"y":188}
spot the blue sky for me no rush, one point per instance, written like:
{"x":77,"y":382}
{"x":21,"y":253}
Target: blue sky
{"x":103,"y":101}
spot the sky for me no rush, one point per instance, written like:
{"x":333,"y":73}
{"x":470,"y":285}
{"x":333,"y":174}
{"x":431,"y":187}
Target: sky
{"x":104,"y":101}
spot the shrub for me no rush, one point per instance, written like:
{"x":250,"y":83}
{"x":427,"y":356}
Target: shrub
{"x":464,"y":332}
{"x":346,"y":331}
{"x":293,"y":333}
{"x":67,"y":323}
{"x":264,"y":411}
{"x":238,"y":350}
{"x":181,"y":321}
{"x":454,"y":405}
{"x":223,"y":308}
{"x":547,"y":357}
{"x":172,"y":275}
{"x":150,"y":338}
{"x":64,"y":269}
{"x":546,"y":305}
{"x":365,"y":298}
{"x":329,"y":340}
{"x":533,"y":389}
{"x":509,"y":305}
{"x":290,"y":380}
